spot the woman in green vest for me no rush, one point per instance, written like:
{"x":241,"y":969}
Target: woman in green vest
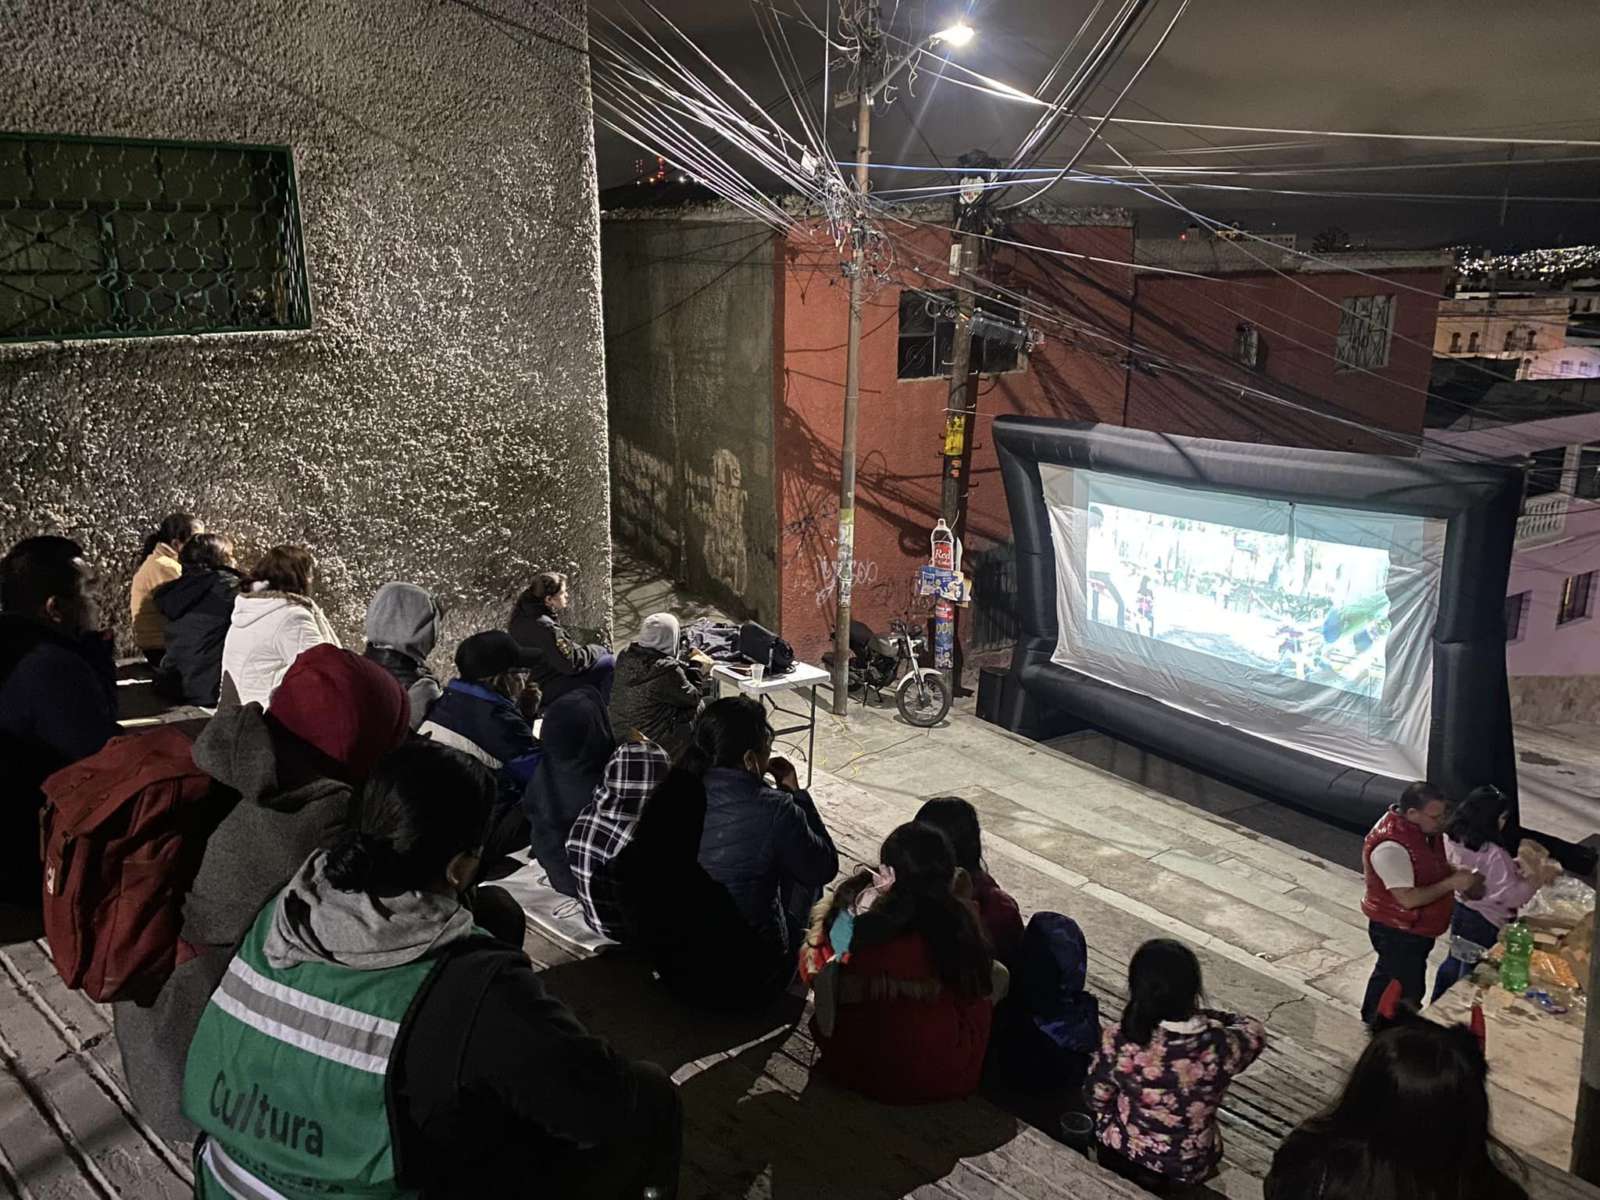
{"x":368,"y":1040}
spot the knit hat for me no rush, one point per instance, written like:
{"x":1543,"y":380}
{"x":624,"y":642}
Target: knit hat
{"x":660,"y":632}
{"x":346,"y":707}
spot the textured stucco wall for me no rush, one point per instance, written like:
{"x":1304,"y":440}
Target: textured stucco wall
{"x":689,"y":367}
{"x":444,"y":420}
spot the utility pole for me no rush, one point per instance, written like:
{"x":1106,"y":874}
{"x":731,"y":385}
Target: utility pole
{"x":961,"y":411}
{"x":844,"y":565}
{"x":1586,"y":1123}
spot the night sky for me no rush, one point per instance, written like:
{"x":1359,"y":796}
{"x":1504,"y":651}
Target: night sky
{"x":1427,"y":66}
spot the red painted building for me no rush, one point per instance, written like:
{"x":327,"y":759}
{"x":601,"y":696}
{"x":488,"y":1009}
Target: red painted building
{"x":726,"y":363}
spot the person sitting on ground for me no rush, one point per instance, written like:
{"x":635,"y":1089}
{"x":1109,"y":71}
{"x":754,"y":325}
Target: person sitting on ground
{"x":686,"y":924}
{"x":487,"y":712}
{"x":654,"y":691}
{"x":1482,"y":837}
{"x":1160,"y":1073}
{"x":1411,"y":1124}
{"x":1409,"y":895}
{"x":766,"y":845}
{"x":287,"y":780}
{"x":564,"y":664}
{"x":159,"y":563}
{"x":904,"y":977}
{"x":58,"y":692}
{"x":606,"y":826}
{"x":402,"y":629}
{"x":1002,"y":919}
{"x":274,"y":621}
{"x":480,"y":1081}
{"x":577,"y":742}
{"x":1049,"y":1027}
{"x":198,"y":609}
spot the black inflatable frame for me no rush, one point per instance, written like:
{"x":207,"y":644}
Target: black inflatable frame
{"x":1469,"y":738}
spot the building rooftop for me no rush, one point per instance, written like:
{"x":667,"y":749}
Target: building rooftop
{"x":694,"y":202}
{"x":1225,"y":256}
{"x":1479,"y":393}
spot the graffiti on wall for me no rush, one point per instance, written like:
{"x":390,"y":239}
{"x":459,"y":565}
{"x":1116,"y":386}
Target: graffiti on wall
{"x":644,"y":485}
{"x":646,"y":510}
{"x":719,"y":500}
{"x":863,"y":574}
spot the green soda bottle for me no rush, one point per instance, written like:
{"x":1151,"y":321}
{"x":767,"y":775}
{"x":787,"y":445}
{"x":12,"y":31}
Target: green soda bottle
{"x":1514,"y":964}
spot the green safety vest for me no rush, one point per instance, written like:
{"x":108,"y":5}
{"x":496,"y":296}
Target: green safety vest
{"x":287,"y":1073}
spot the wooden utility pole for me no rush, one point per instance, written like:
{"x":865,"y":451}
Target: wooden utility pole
{"x":961,"y":410}
{"x":844,"y":565}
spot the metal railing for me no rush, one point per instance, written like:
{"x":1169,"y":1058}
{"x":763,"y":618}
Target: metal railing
{"x":1544,"y":519}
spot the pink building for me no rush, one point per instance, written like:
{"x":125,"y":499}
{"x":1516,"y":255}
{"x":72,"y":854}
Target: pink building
{"x":1552,"y":637}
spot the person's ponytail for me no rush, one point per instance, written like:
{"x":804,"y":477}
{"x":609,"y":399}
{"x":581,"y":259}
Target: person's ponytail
{"x":725,"y":732}
{"x":423,"y":804}
{"x":1163,"y":985}
{"x":360,"y":862}
{"x":174,"y":528}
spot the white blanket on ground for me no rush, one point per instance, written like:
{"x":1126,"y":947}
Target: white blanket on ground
{"x":557,"y":916}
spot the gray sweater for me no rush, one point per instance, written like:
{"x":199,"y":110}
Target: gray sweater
{"x":285,"y":811}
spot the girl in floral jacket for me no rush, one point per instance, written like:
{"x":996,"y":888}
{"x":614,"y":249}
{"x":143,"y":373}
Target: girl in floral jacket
{"x":1160,"y":1073}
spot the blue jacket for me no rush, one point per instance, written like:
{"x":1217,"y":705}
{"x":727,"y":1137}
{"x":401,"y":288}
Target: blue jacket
{"x":483,"y":723}
{"x":58,"y":703}
{"x":758,"y":841}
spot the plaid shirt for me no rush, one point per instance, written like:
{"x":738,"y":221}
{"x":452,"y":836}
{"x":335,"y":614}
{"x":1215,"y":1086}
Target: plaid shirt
{"x":606,"y":825}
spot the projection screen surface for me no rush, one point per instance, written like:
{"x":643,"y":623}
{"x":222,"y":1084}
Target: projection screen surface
{"x":1309,"y":626}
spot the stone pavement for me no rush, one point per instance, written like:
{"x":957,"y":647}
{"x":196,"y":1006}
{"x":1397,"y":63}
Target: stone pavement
{"x":1278,"y":928}
{"x":1130,"y":846}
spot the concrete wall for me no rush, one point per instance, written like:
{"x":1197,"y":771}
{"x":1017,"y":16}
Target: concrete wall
{"x":689,"y":364}
{"x":444,"y":419}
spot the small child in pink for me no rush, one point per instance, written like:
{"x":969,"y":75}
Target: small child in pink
{"x":1479,"y":838}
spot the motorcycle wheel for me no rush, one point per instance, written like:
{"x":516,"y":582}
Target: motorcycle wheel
{"x":925,"y":705}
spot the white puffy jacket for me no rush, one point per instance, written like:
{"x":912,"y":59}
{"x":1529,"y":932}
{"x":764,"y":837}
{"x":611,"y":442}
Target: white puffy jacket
{"x":268,"y":632}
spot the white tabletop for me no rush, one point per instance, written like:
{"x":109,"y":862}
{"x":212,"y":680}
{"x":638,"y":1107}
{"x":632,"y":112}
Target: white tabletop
{"x":803,"y":675}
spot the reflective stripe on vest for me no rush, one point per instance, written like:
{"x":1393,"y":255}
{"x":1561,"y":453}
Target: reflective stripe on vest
{"x":233,"y":1179}
{"x":308,"y":1023}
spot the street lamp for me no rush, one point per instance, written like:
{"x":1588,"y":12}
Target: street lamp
{"x":955,"y":36}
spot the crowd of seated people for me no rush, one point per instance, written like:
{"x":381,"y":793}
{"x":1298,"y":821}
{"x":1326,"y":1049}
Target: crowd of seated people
{"x":353,"y":1012}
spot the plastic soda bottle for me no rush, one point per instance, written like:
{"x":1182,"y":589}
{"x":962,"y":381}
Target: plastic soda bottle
{"x":1519,"y":951}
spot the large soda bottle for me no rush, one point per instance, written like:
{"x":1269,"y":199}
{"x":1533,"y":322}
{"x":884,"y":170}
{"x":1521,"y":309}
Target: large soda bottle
{"x":1519,"y":951}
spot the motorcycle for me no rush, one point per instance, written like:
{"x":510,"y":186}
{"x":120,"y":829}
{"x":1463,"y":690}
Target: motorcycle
{"x":879,"y":661}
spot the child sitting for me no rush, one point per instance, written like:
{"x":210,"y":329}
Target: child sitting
{"x":1160,"y":1073}
{"x":998,"y":911}
{"x":905,"y":981}
{"x":1480,"y":838}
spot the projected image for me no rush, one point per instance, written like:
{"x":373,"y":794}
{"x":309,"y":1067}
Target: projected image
{"x":1296,"y":606}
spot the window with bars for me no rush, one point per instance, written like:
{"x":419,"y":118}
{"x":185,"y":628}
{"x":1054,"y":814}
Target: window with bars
{"x":1516,"y":615}
{"x":1544,"y":471}
{"x":103,"y":237}
{"x":927,"y":338}
{"x":1366,"y":324}
{"x":1577,"y":592}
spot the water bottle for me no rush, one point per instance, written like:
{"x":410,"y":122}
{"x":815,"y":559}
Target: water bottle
{"x":1519,"y":951}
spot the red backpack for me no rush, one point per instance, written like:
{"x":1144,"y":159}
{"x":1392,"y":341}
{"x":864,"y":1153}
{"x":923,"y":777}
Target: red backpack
{"x":123,"y":831}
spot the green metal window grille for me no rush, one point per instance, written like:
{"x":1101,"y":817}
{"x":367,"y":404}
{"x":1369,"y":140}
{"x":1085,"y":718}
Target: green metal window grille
{"x":105,"y":237}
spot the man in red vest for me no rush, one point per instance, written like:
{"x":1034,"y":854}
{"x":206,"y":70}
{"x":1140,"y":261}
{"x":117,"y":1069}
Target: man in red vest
{"x":1410,"y":891}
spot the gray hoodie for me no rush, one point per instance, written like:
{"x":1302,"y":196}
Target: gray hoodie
{"x":402,"y":630}
{"x":316,"y":922}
